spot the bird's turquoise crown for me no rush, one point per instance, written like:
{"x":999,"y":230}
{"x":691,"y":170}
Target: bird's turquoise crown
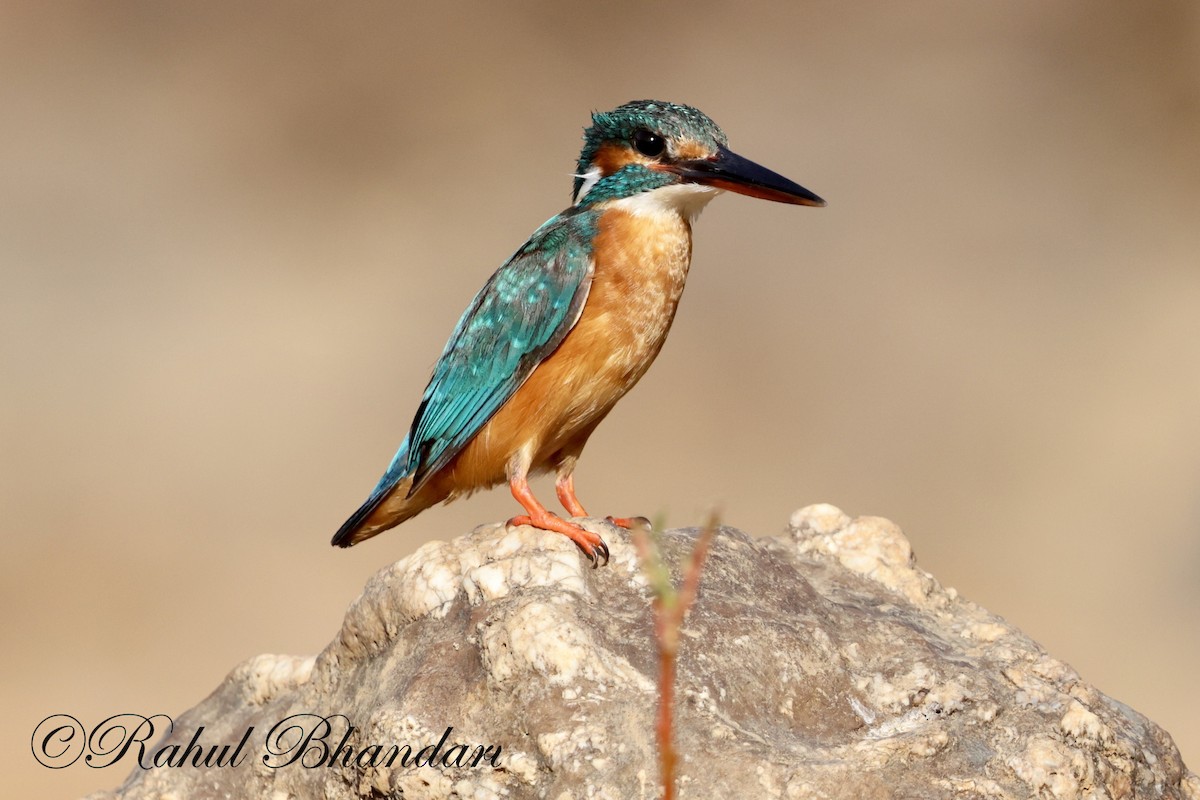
{"x":672,"y":121}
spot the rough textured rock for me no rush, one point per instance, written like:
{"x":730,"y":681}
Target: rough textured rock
{"x":819,"y":664}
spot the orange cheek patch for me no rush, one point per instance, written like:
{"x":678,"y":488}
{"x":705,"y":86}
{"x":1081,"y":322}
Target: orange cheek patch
{"x":610,"y":158}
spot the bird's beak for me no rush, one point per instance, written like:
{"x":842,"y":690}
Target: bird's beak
{"x":728,"y":170}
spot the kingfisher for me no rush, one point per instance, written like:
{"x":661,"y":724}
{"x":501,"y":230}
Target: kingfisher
{"x":568,"y":324}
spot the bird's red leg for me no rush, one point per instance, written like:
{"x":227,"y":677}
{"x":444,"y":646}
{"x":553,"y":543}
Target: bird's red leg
{"x":590,"y":543}
{"x":565,"y":487}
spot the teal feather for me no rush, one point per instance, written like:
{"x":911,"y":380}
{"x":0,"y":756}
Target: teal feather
{"x":515,"y":321}
{"x":519,"y":317}
{"x":626,"y":182}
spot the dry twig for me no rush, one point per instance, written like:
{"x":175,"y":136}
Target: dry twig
{"x":670,"y":607}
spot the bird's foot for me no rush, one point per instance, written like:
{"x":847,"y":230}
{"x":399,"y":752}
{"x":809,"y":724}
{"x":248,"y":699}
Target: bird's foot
{"x":590,"y":543}
{"x":629,"y":523}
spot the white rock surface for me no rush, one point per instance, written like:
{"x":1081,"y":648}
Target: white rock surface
{"x":819,"y":664}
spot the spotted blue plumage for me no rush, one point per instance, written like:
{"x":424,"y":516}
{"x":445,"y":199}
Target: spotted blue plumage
{"x":515,"y":321}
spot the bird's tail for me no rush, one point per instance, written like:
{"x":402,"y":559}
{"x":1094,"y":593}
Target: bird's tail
{"x":387,"y":507}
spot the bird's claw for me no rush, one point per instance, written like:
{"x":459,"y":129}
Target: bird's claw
{"x":601,"y":550}
{"x":593,"y":550}
{"x":629,"y":523}
{"x":592,"y":545}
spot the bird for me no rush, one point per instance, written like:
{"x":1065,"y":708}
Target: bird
{"x":568,"y":324}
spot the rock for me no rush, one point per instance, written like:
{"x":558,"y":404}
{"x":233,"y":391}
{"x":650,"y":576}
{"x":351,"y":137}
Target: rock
{"x":818,"y":664}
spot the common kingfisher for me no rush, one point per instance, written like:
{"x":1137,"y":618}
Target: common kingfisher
{"x":568,"y":324}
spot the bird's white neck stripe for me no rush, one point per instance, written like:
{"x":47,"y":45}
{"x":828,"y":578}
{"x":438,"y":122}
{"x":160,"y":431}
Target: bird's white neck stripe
{"x":590,"y":179}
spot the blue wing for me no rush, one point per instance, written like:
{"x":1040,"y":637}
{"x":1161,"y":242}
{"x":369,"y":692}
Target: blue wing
{"x":519,"y":317}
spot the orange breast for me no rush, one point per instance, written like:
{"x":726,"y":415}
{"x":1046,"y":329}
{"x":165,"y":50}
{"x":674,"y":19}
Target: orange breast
{"x":641,"y":264}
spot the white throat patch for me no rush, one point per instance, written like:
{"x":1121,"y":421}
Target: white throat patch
{"x":685,"y":199}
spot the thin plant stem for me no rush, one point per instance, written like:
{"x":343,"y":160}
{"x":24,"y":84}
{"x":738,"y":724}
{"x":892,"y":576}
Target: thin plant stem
{"x":670,"y":606}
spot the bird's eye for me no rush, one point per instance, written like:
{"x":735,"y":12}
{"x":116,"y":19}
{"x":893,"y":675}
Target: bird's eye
{"x":648,"y":143}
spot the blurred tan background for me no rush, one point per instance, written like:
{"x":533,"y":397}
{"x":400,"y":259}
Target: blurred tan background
{"x":234,"y":238}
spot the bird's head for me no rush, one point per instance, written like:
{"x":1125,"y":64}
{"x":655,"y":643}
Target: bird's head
{"x":648,"y":145}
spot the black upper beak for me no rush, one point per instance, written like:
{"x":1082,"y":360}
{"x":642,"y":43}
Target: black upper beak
{"x":728,"y":170}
